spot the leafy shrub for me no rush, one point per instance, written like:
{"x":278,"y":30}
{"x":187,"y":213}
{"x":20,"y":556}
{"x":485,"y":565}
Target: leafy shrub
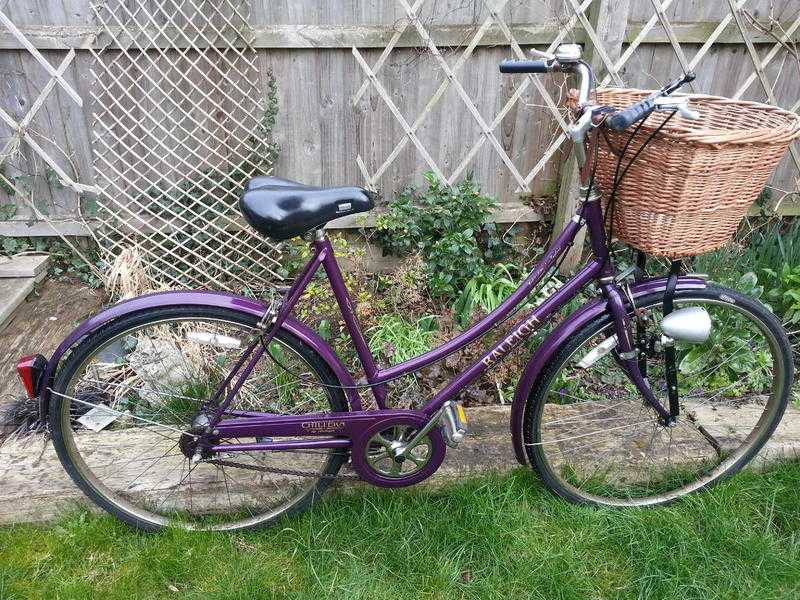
{"x":451,"y":261}
{"x":773,"y":245}
{"x":771,"y":258}
{"x":730,"y":337}
{"x":448,"y":226}
{"x":784,"y":292}
{"x":768,"y":247}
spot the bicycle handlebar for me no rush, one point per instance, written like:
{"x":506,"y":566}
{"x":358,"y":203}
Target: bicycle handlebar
{"x":638,"y":111}
{"x":567,"y":59}
{"x":635,"y":112}
{"x":524,"y":66}
{"x":569,"y":62}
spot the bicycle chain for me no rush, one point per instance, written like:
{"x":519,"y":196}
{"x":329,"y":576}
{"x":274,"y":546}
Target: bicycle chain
{"x":279,"y":471}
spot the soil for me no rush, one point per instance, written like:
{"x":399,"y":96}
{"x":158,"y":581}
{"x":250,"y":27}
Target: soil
{"x":37,"y":327}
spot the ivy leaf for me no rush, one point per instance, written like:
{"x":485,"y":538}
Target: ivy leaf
{"x":7,"y":211}
{"x":53,"y":179}
{"x":88,"y":204}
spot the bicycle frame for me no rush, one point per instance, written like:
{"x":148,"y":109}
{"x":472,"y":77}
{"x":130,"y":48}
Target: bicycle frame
{"x":339,"y":430}
{"x":350,"y":424}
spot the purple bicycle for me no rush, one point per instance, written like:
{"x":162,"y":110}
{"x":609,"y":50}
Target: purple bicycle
{"x":207,"y":410}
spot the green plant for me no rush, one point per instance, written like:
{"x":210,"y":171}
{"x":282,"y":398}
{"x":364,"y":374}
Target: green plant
{"x":448,"y":226}
{"x":784,"y":292}
{"x":450,"y":261}
{"x":767,"y":247}
{"x":399,"y":339}
{"x":64,"y":262}
{"x":7,"y":211}
{"x":486,"y":291}
{"x":284,"y":381}
{"x":731,"y":336}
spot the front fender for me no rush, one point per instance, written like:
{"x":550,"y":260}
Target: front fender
{"x":567,"y":328}
{"x":192,"y":298}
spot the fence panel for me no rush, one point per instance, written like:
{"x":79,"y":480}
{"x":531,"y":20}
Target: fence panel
{"x":436,"y":100}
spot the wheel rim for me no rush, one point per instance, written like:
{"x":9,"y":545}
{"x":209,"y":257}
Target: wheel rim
{"x":601,"y":444}
{"x":136,"y":463}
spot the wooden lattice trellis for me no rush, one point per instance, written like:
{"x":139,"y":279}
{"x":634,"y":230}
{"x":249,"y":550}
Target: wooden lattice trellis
{"x":178,"y":126}
{"x":23,"y":131}
{"x":602,"y":49}
{"x":177,"y":109}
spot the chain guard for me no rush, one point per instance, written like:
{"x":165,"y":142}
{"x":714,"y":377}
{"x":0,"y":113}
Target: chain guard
{"x":383,"y":472}
{"x":427,"y":463}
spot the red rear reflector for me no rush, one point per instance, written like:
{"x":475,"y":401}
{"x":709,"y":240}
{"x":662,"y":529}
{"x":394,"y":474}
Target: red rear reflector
{"x":30,"y":369}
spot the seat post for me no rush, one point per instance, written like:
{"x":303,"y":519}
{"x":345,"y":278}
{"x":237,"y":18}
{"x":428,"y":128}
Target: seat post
{"x":315,"y":235}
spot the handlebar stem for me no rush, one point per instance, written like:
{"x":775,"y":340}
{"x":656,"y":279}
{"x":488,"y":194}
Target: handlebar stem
{"x":585,"y":80}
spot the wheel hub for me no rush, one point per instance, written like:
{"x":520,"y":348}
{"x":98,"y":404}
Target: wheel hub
{"x":190,"y":442}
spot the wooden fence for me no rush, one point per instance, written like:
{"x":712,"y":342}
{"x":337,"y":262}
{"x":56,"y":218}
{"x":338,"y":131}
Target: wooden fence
{"x":378,"y":91}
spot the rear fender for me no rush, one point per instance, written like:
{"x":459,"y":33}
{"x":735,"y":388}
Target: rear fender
{"x":191,"y":298}
{"x":567,"y":328}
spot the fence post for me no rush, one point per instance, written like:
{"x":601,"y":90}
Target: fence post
{"x":609,"y":18}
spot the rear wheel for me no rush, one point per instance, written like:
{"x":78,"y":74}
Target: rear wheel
{"x":591,"y":437}
{"x":148,"y":374}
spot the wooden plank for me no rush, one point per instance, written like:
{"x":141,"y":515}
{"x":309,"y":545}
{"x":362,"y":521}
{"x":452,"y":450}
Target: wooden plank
{"x":13,"y":293}
{"x":17,"y":94}
{"x":786,"y":209}
{"x":25,"y":265}
{"x":33,"y":228}
{"x":26,"y":44}
{"x":64,"y":37}
{"x":513,"y":212}
{"x":509,"y":213}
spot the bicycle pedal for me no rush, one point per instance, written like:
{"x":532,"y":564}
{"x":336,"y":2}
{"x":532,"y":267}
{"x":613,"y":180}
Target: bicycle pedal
{"x":454,"y":423}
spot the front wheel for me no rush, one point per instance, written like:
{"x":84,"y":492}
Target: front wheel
{"x":593,"y":439}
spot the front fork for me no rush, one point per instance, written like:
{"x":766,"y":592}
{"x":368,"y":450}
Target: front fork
{"x":628,"y":353}
{"x":585,"y":138}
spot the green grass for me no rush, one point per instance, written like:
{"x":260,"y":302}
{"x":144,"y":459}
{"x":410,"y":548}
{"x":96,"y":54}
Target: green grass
{"x":495,"y":537}
{"x":399,"y":339}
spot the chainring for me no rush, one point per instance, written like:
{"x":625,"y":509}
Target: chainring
{"x":375,"y":457}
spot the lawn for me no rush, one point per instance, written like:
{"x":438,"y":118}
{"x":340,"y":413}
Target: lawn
{"x":493,"y":537}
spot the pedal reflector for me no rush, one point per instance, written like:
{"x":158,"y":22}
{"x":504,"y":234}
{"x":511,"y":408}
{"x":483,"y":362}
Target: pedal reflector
{"x":461,"y":414}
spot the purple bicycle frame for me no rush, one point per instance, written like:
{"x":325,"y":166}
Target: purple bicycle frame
{"x":336,"y":430}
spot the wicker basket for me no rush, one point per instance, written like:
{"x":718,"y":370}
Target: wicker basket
{"x":694,"y":182}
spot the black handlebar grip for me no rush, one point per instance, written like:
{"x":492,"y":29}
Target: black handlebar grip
{"x":524,"y":66}
{"x":636,"y":112}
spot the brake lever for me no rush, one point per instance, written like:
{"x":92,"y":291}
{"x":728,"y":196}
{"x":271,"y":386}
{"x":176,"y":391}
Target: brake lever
{"x":678,"y":83}
{"x":679,"y":104}
{"x":540,"y":54}
{"x":688,"y":113}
